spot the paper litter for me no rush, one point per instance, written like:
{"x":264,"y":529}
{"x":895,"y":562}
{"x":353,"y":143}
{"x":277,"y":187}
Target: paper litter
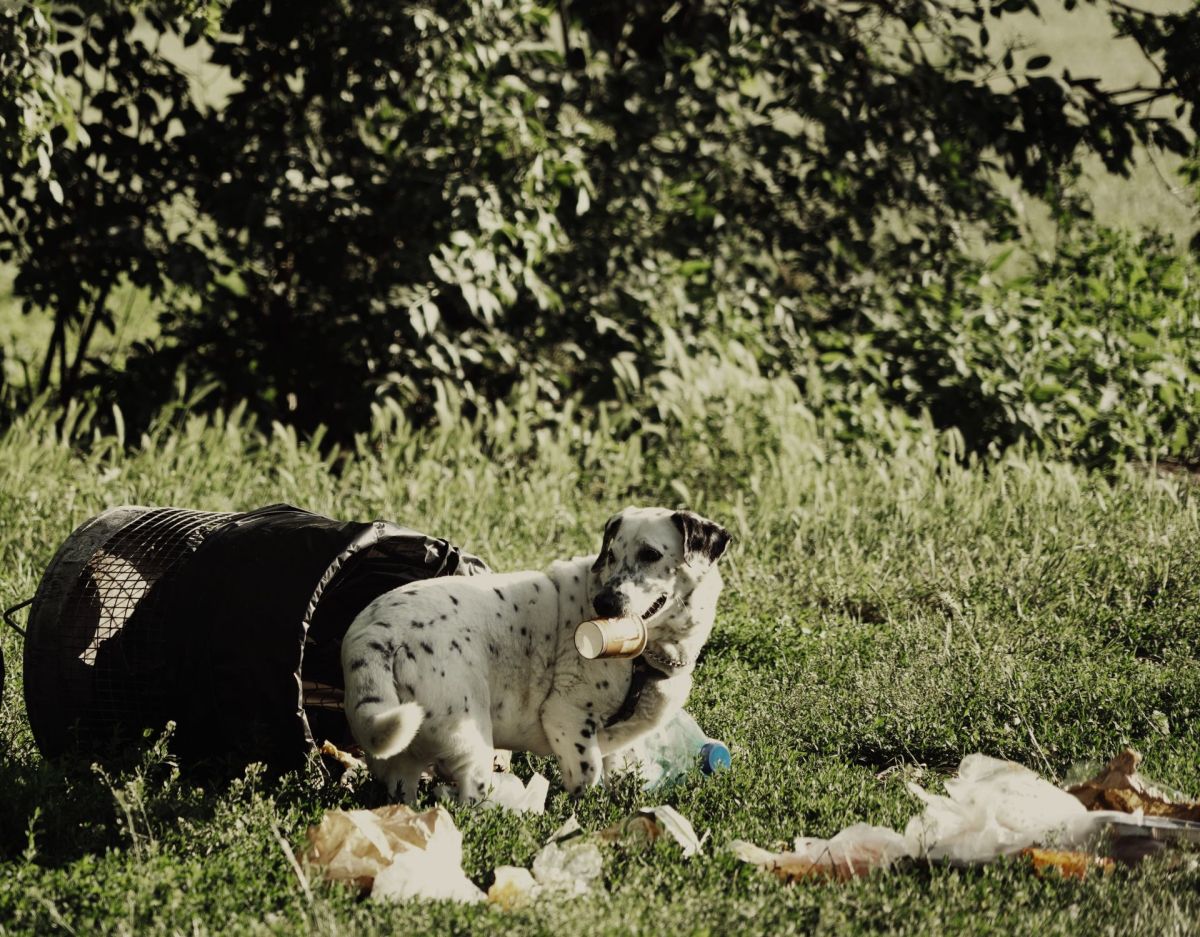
{"x":394,"y":852}
{"x":509,"y":792}
{"x":650,"y":823}
{"x":856,"y":851}
{"x":992,"y":808}
{"x":568,"y":865}
{"x":571,"y":862}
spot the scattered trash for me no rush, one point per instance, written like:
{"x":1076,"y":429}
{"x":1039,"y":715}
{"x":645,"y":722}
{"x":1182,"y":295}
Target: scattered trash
{"x":568,"y":865}
{"x":509,"y":792}
{"x":1119,"y":787}
{"x":571,"y":862}
{"x":995,"y":808}
{"x":351,"y":768}
{"x":992,"y":808}
{"x":394,"y":852}
{"x":650,"y":823}
{"x":854,"y":852}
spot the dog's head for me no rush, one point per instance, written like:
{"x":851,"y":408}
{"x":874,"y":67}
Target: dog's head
{"x":651,"y":563}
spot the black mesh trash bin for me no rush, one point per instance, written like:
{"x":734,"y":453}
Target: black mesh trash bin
{"x":228,"y":624}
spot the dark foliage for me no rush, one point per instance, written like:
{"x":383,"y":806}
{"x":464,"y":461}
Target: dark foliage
{"x":393,"y":196}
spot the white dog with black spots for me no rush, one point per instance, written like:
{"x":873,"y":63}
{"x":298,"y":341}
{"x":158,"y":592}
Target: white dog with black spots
{"x":441,"y":672}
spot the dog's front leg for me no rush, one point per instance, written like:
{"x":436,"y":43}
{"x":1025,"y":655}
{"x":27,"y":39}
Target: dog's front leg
{"x":573,"y":736}
{"x":660,"y":700}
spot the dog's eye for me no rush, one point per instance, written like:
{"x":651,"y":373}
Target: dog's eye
{"x":648,"y":555}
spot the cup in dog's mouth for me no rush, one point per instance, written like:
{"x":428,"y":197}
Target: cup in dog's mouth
{"x":655,"y":608}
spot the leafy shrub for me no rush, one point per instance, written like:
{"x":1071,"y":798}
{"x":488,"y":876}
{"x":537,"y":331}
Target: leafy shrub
{"x":398,"y":197}
{"x":1096,"y":354}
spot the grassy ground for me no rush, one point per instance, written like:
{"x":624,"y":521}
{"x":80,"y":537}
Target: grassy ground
{"x":887,"y":610}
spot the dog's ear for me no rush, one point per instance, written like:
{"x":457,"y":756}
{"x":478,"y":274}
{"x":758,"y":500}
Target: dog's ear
{"x":702,"y":538}
{"x":610,"y":531}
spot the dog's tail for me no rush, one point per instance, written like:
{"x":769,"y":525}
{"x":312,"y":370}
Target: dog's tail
{"x":387,"y":732}
{"x":380,"y":722}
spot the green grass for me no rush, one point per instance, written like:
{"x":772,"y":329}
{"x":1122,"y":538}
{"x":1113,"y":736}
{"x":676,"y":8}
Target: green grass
{"x":887,"y":610}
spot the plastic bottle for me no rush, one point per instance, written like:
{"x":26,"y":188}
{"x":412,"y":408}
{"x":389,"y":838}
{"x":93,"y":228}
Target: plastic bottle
{"x":670,"y":753}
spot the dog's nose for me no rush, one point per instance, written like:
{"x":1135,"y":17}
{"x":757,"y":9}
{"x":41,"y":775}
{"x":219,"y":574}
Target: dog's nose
{"x":609,"y":604}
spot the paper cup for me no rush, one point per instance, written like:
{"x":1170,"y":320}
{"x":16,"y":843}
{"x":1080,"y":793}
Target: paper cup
{"x":610,"y":637}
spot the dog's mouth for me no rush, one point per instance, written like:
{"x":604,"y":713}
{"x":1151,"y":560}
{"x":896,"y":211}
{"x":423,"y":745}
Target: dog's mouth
{"x":655,"y":608}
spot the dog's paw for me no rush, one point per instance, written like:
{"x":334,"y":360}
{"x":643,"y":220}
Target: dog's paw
{"x":582,"y":774}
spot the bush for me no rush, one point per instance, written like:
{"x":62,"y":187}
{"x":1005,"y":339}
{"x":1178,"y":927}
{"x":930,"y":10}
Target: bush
{"x":481,"y":195}
{"x":1095,"y":355}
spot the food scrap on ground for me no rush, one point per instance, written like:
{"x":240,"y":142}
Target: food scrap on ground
{"x":348,"y":768}
{"x":1067,"y":863}
{"x":1119,"y":787}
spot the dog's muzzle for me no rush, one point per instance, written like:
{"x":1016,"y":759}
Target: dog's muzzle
{"x":612,"y":604}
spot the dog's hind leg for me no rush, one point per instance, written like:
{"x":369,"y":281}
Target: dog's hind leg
{"x":402,"y":775}
{"x":466,"y":756}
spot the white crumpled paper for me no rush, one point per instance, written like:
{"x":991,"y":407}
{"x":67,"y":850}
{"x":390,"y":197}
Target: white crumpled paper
{"x":572,"y":862}
{"x":394,"y":851}
{"x":509,"y":792}
{"x":992,"y":808}
{"x":568,"y":865}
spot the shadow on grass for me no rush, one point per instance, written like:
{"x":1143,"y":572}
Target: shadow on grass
{"x":52,"y":812}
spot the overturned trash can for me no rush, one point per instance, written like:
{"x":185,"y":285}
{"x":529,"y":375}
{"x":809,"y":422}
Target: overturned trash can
{"x":228,"y":624}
